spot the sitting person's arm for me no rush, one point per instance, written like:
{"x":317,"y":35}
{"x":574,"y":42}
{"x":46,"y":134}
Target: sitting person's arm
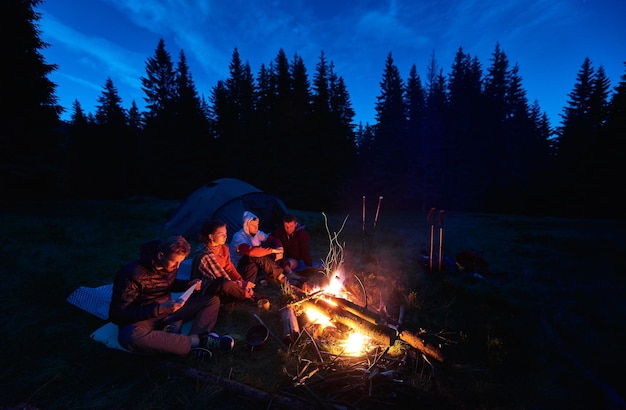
{"x":256,"y":251}
{"x":229,"y":268}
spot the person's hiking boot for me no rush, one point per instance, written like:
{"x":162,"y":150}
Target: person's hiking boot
{"x":213,"y":342}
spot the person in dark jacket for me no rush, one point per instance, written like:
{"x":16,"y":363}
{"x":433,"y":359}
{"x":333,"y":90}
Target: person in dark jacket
{"x":296,"y":244}
{"x":148,"y":319}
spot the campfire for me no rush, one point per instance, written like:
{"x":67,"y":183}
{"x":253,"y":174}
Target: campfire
{"x":341,"y":350}
{"x":343,"y":328}
{"x":341,"y":353}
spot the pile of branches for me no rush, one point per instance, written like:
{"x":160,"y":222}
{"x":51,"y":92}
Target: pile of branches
{"x":384,"y":377}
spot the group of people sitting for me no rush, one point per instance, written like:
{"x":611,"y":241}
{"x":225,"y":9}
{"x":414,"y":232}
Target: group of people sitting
{"x":149,"y":320}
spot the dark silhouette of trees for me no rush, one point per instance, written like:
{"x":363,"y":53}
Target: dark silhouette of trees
{"x":333,"y":140}
{"x":612,"y":169}
{"x":233,"y":102}
{"x":192,"y":130}
{"x":415,"y":100}
{"x":468,"y":140}
{"x":112,"y":149}
{"x":176,"y":131}
{"x":586,"y":170}
{"x":161,"y":148}
{"x":283,"y":134}
{"x":31,"y":140}
{"x":387,"y":167}
{"x":465,"y":145}
{"x":431,"y":150}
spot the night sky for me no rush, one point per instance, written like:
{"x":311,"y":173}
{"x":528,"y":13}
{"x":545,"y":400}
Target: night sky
{"x":548,"y":39}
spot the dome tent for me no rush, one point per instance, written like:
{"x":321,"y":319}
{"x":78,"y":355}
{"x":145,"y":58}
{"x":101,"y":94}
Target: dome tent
{"x":225,"y":199}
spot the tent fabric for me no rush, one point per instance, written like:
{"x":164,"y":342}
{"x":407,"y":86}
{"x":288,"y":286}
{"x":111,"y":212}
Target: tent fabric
{"x":225,"y":199}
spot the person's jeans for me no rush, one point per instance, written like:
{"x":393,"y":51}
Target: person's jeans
{"x":149,"y":336}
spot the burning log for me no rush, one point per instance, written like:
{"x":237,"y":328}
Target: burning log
{"x":357,"y":310}
{"x":369,"y":324}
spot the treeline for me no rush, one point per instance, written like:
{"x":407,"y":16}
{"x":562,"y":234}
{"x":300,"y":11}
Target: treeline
{"x":469,"y":140}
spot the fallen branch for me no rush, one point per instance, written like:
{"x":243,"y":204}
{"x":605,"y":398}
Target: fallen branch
{"x":272,"y":400}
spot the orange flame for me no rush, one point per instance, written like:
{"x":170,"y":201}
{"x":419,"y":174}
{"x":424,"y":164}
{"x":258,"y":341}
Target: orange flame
{"x":356,"y":343}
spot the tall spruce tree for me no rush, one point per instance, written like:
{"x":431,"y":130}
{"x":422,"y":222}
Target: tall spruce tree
{"x":541,"y":173}
{"x":192,"y":131}
{"x":492,"y":173}
{"x":614,"y":167}
{"x":30,"y":146}
{"x":574,"y":143}
{"x":337,"y":143}
{"x":238,"y":130}
{"x":111,"y":146}
{"x":159,"y":86}
{"x":436,"y":194}
{"x":390,"y":160}
{"x":265,"y":90}
{"x":109,"y":110}
{"x":80,"y":154}
{"x":519,"y":149}
{"x":416,"y":106}
{"x":462,"y":140}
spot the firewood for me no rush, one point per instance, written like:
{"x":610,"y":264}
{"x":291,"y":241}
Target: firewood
{"x":291,"y":329}
{"x":381,"y":334}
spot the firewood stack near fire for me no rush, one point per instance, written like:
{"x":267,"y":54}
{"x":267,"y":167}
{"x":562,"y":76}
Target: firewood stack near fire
{"x":329,"y":308}
{"x":329,"y":318}
{"x":346,"y":353}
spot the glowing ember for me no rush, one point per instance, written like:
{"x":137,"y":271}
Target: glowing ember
{"x":355,"y":344}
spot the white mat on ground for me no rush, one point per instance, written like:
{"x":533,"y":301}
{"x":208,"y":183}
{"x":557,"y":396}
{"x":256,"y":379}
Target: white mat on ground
{"x":93,"y":300}
{"x":107,"y":335}
{"x":96,"y":301}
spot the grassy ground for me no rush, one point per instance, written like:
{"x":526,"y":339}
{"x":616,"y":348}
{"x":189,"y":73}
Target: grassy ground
{"x":543,"y":328}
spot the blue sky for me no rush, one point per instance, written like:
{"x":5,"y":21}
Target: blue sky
{"x":549,"y":40}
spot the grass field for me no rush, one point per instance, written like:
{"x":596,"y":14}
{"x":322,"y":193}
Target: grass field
{"x":542,"y":329}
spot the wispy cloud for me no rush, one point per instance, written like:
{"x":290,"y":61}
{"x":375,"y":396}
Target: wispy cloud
{"x":93,"y":53}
